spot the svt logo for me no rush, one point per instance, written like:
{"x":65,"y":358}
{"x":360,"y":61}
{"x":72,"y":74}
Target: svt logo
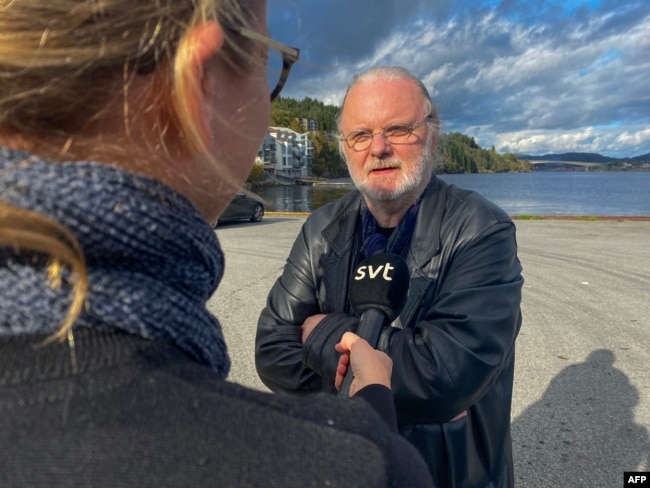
{"x":374,"y":271}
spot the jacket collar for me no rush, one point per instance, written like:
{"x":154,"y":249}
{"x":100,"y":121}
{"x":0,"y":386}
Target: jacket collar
{"x":341,"y":233}
{"x":343,"y":238}
{"x":426,"y":240}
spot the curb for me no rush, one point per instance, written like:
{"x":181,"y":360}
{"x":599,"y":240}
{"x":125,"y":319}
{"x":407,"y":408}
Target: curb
{"x":585,"y":218}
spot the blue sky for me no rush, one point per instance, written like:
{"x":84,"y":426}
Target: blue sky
{"x":523,"y":76}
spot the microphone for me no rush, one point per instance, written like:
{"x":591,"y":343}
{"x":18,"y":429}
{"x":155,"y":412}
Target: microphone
{"x":377,"y":292}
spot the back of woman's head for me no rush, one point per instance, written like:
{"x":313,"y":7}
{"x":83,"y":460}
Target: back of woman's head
{"x":65,"y":63}
{"x":66,"y":67}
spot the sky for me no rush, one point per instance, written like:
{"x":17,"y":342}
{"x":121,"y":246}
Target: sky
{"x":529,"y":77}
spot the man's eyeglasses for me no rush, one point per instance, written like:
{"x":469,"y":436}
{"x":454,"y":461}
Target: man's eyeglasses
{"x":289,"y":56}
{"x":360,"y":140}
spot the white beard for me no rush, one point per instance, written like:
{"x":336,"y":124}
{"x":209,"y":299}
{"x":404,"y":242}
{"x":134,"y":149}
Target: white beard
{"x":409,"y":182}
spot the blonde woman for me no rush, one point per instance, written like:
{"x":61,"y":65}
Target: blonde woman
{"x":125,"y":129}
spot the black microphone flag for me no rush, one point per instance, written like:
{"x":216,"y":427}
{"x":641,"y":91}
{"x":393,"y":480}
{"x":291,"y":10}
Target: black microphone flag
{"x":377,"y":292}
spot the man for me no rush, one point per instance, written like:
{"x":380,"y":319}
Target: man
{"x":453,"y":343}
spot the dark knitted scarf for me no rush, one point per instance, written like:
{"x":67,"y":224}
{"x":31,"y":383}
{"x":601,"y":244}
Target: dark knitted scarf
{"x":398,"y":242}
{"x":153,"y":261}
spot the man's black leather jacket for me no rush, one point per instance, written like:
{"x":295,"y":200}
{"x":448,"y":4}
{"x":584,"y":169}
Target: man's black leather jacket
{"x":452,"y":346}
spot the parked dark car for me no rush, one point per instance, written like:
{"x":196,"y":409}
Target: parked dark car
{"x":244,"y":206}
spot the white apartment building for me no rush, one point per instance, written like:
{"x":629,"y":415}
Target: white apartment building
{"x":286,"y":153}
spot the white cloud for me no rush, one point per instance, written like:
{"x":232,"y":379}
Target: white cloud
{"x":612,"y":142}
{"x":517,"y":76}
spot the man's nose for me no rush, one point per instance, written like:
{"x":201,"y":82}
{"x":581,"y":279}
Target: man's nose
{"x":378,"y":145}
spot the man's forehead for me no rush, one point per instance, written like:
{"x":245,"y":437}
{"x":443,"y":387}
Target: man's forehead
{"x":381,"y":101}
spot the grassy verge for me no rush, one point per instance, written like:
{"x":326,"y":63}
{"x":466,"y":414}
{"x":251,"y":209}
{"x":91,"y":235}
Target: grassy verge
{"x":586,"y":218}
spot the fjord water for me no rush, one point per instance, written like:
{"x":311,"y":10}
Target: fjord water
{"x":537,"y":193}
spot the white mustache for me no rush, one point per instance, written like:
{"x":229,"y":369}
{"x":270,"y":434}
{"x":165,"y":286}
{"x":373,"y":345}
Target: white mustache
{"x":383,"y":164}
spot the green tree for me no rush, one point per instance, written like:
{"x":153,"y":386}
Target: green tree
{"x":327,"y":161}
{"x":256,"y":175}
{"x":461,"y":154}
{"x":281,"y":117}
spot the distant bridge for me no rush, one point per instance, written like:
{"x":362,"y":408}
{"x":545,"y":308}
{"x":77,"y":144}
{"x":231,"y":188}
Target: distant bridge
{"x":564,"y":164}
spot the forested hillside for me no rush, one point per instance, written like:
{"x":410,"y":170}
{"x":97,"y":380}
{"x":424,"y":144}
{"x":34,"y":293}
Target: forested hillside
{"x":457,"y":153}
{"x":287,"y":109}
{"x":461,"y":154}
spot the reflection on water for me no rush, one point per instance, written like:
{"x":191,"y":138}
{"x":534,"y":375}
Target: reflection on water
{"x":542,"y":193}
{"x":301,"y":198}
{"x":323,"y":194}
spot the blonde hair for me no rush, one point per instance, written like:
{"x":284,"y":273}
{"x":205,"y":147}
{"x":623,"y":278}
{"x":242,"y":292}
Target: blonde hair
{"x":63,"y":63}
{"x":22,"y":229}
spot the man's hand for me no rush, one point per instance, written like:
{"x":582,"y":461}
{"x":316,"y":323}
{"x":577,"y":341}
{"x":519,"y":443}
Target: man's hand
{"x":369,"y":366}
{"x":310,"y":324}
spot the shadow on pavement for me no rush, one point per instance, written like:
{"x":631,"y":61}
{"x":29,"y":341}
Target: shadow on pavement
{"x":581,"y":433}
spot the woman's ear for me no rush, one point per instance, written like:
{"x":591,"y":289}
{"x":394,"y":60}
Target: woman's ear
{"x":202,"y":43}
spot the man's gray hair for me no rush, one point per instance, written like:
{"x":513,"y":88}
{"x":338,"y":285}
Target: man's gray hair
{"x":393,"y":73}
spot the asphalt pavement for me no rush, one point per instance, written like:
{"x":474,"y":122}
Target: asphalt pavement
{"x":581,"y":407}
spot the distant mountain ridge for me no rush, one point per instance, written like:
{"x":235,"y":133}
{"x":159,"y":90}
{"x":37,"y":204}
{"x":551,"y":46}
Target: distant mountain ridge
{"x":580,"y":157}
